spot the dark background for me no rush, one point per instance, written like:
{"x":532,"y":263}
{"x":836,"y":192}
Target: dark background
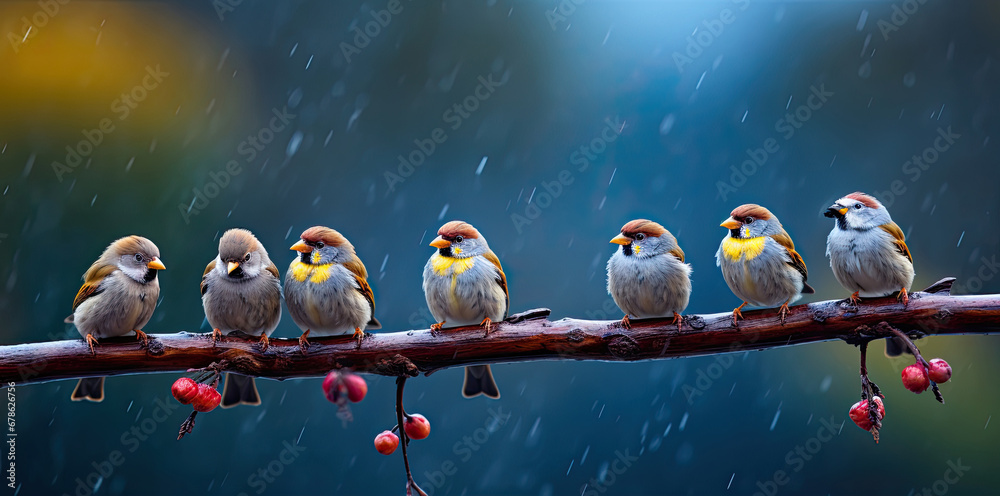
{"x":565,"y":70}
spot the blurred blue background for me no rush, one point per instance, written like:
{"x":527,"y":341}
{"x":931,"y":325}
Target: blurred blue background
{"x":639,"y":108}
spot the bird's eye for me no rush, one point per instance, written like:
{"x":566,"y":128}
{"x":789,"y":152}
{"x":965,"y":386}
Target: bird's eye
{"x":857,"y":206}
{"x":458,"y":239}
{"x":138,"y":257}
{"x":748,"y":220}
{"x":246,"y":258}
{"x":319,"y":244}
{"x":640,"y":237}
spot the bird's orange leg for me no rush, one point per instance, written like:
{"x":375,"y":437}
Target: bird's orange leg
{"x":264,"y":342}
{"x":91,"y":341}
{"x":216,"y":335}
{"x":737,"y":314}
{"x":626,"y":323}
{"x":783,"y":311}
{"x":141,"y":336}
{"x":304,"y":341}
{"x":359,"y":335}
{"x":487,"y":324}
{"x":678,"y":320}
{"x":855,"y":298}
{"x":437,"y":326}
{"x":903,"y":297}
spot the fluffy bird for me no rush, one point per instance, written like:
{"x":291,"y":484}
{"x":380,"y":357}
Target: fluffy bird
{"x":759,"y":261}
{"x":464,"y":284}
{"x":326,"y":287}
{"x":647,"y":277}
{"x":868,"y":253}
{"x":118,"y":296}
{"x":241,"y":290}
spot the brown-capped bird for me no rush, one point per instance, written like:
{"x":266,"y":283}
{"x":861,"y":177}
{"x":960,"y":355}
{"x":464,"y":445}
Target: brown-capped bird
{"x":241,"y":291}
{"x":118,"y":296}
{"x":326,"y":287}
{"x":464,"y":284}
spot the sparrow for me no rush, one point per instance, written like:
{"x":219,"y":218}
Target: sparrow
{"x":118,"y":296}
{"x":464,"y":284}
{"x":241,"y":290}
{"x":648,"y":277}
{"x":326,"y":288}
{"x":759,"y":261}
{"x":868,"y":252}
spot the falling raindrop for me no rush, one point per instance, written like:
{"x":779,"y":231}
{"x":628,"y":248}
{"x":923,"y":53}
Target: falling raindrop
{"x":909,"y":79}
{"x":667,"y":124}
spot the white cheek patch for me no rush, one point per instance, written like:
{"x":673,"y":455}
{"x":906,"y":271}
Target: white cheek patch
{"x":136,"y":273}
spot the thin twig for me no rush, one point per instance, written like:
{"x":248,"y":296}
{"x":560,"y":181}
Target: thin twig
{"x":405,"y":439}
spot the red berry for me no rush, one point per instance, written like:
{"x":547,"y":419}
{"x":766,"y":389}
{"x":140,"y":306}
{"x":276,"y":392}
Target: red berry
{"x":859,"y":413}
{"x":939,"y":371}
{"x":184,"y":390}
{"x":334,"y":387}
{"x":386,"y":442}
{"x":207,"y":399}
{"x":915,"y":378}
{"x":357,"y":388}
{"x":417,"y":426}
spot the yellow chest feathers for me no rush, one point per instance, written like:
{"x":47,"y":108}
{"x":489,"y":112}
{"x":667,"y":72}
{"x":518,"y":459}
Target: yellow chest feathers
{"x":314,"y":273}
{"x":443,"y":266}
{"x":734,"y":248}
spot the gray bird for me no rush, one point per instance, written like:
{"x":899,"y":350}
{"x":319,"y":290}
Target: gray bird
{"x":118,"y":296}
{"x":647,"y":277}
{"x":759,"y":261}
{"x":868,"y":253}
{"x":464,"y":284}
{"x":326,"y":287}
{"x":241,"y":291}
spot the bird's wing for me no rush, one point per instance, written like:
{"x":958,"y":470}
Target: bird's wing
{"x":204,"y":277}
{"x":678,"y":252}
{"x":357,"y":268}
{"x":92,"y":282}
{"x":785,"y":240}
{"x":898,"y":239}
{"x":501,"y":279}
{"x":273,"y":269}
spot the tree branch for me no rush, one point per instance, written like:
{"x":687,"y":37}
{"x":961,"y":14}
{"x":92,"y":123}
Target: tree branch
{"x":524,"y":337}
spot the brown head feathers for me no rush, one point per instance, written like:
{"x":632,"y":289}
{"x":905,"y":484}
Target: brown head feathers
{"x":866,"y":200}
{"x":236,"y":243}
{"x":647,"y":227}
{"x":130,"y":245}
{"x":458,"y":228}
{"x":325,"y":235}
{"x":751,"y":210}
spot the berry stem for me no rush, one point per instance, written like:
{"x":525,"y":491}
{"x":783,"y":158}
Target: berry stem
{"x":869,"y":391}
{"x":410,"y":484}
{"x":187,"y":426}
{"x":916,"y":353}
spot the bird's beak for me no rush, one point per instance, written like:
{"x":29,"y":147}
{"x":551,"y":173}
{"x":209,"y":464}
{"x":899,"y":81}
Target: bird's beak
{"x":440,"y":242}
{"x":621,"y":240}
{"x":233,"y":266}
{"x":731,"y":223}
{"x":836,"y":211}
{"x":155,"y":263}
{"x":301,"y":246}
